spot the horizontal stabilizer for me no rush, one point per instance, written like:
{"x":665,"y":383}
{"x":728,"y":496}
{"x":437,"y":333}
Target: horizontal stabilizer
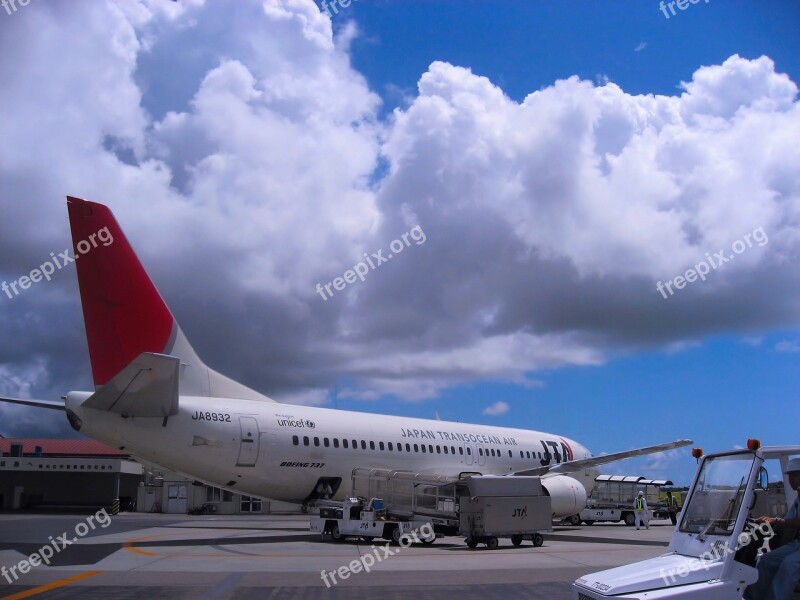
{"x":147,"y":387}
{"x":585,"y":463}
{"x":51,"y":404}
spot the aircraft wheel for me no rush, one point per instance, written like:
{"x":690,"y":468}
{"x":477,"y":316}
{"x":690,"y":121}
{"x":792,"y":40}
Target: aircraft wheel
{"x":516,"y":540}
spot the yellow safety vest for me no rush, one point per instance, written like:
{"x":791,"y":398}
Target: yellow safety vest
{"x":639,"y":504}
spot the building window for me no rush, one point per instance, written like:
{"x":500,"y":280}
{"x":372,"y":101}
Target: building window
{"x":213,"y":494}
{"x":250,"y":505}
{"x":227,"y":496}
{"x":295,"y":440}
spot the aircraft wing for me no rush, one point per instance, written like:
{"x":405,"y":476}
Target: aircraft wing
{"x":585,"y":463}
{"x":51,"y":404}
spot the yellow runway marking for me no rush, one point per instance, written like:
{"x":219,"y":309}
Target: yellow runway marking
{"x":51,"y":586}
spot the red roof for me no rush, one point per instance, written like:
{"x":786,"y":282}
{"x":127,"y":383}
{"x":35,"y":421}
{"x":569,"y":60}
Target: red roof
{"x":61,"y":447}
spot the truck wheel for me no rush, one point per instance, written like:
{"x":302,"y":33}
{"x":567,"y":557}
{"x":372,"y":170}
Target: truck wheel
{"x":492,"y":543}
{"x":397,"y":535}
{"x":516,"y":539}
{"x":336,"y":534}
{"x":630,"y":519}
{"x":574,"y":520}
{"x":472,"y":542}
{"x":538,"y":540}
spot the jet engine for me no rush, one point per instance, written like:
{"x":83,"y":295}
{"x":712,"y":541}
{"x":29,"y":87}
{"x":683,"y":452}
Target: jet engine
{"x":567,"y":495}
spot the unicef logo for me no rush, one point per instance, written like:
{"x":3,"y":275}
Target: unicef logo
{"x":310,"y":424}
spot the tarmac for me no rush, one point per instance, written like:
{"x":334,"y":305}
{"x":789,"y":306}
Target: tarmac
{"x":157,"y":556}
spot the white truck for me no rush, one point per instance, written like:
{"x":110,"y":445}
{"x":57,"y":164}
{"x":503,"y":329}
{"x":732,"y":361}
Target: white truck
{"x":613,"y":496}
{"x":714,"y":548}
{"x":355,"y":517}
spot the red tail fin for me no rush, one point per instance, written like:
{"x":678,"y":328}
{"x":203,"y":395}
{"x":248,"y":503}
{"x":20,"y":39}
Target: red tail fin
{"x":123,"y":311}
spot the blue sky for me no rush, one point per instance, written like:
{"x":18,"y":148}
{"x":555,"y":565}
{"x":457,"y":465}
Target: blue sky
{"x":562,"y":158}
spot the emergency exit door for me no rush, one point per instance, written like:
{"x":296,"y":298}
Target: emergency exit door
{"x":248,"y":447}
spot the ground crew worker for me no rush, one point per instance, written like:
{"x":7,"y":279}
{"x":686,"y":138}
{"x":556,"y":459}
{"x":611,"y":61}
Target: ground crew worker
{"x":779,"y":570}
{"x":640,"y":510}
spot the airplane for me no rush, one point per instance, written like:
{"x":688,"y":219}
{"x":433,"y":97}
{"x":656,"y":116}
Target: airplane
{"x":157,"y":400}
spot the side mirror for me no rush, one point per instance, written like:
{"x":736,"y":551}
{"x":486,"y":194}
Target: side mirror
{"x":763,"y":479}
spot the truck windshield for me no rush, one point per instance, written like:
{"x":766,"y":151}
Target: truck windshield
{"x":714,"y":504}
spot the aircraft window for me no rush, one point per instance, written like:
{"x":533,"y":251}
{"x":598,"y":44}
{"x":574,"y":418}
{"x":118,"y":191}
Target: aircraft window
{"x":540,"y":456}
{"x":445,"y":449}
{"x":452,"y":449}
{"x":399,"y":447}
{"x":423,"y":448}
{"x":509,"y":454}
{"x":480,"y":451}
{"x":363,"y":445}
{"x":438,"y":449}
{"x":371,"y":445}
{"x":316,"y":441}
{"x":460,"y":450}
{"x":521,"y":454}
{"x":326,"y":442}
{"x":416,"y":448}
{"x":345,"y":444}
{"x":335,"y":442}
{"x":305,"y":440}
{"x":529,"y":453}
{"x":469,"y":450}
{"x":380,"y":445}
{"x":408,"y":448}
{"x":295,"y":440}
{"x":355,"y":444}
{"x":391,"y":447}
{"x":430,"y":448}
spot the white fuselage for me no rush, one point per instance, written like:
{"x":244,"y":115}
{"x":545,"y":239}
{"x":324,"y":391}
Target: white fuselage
{"x":281,"y":451}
